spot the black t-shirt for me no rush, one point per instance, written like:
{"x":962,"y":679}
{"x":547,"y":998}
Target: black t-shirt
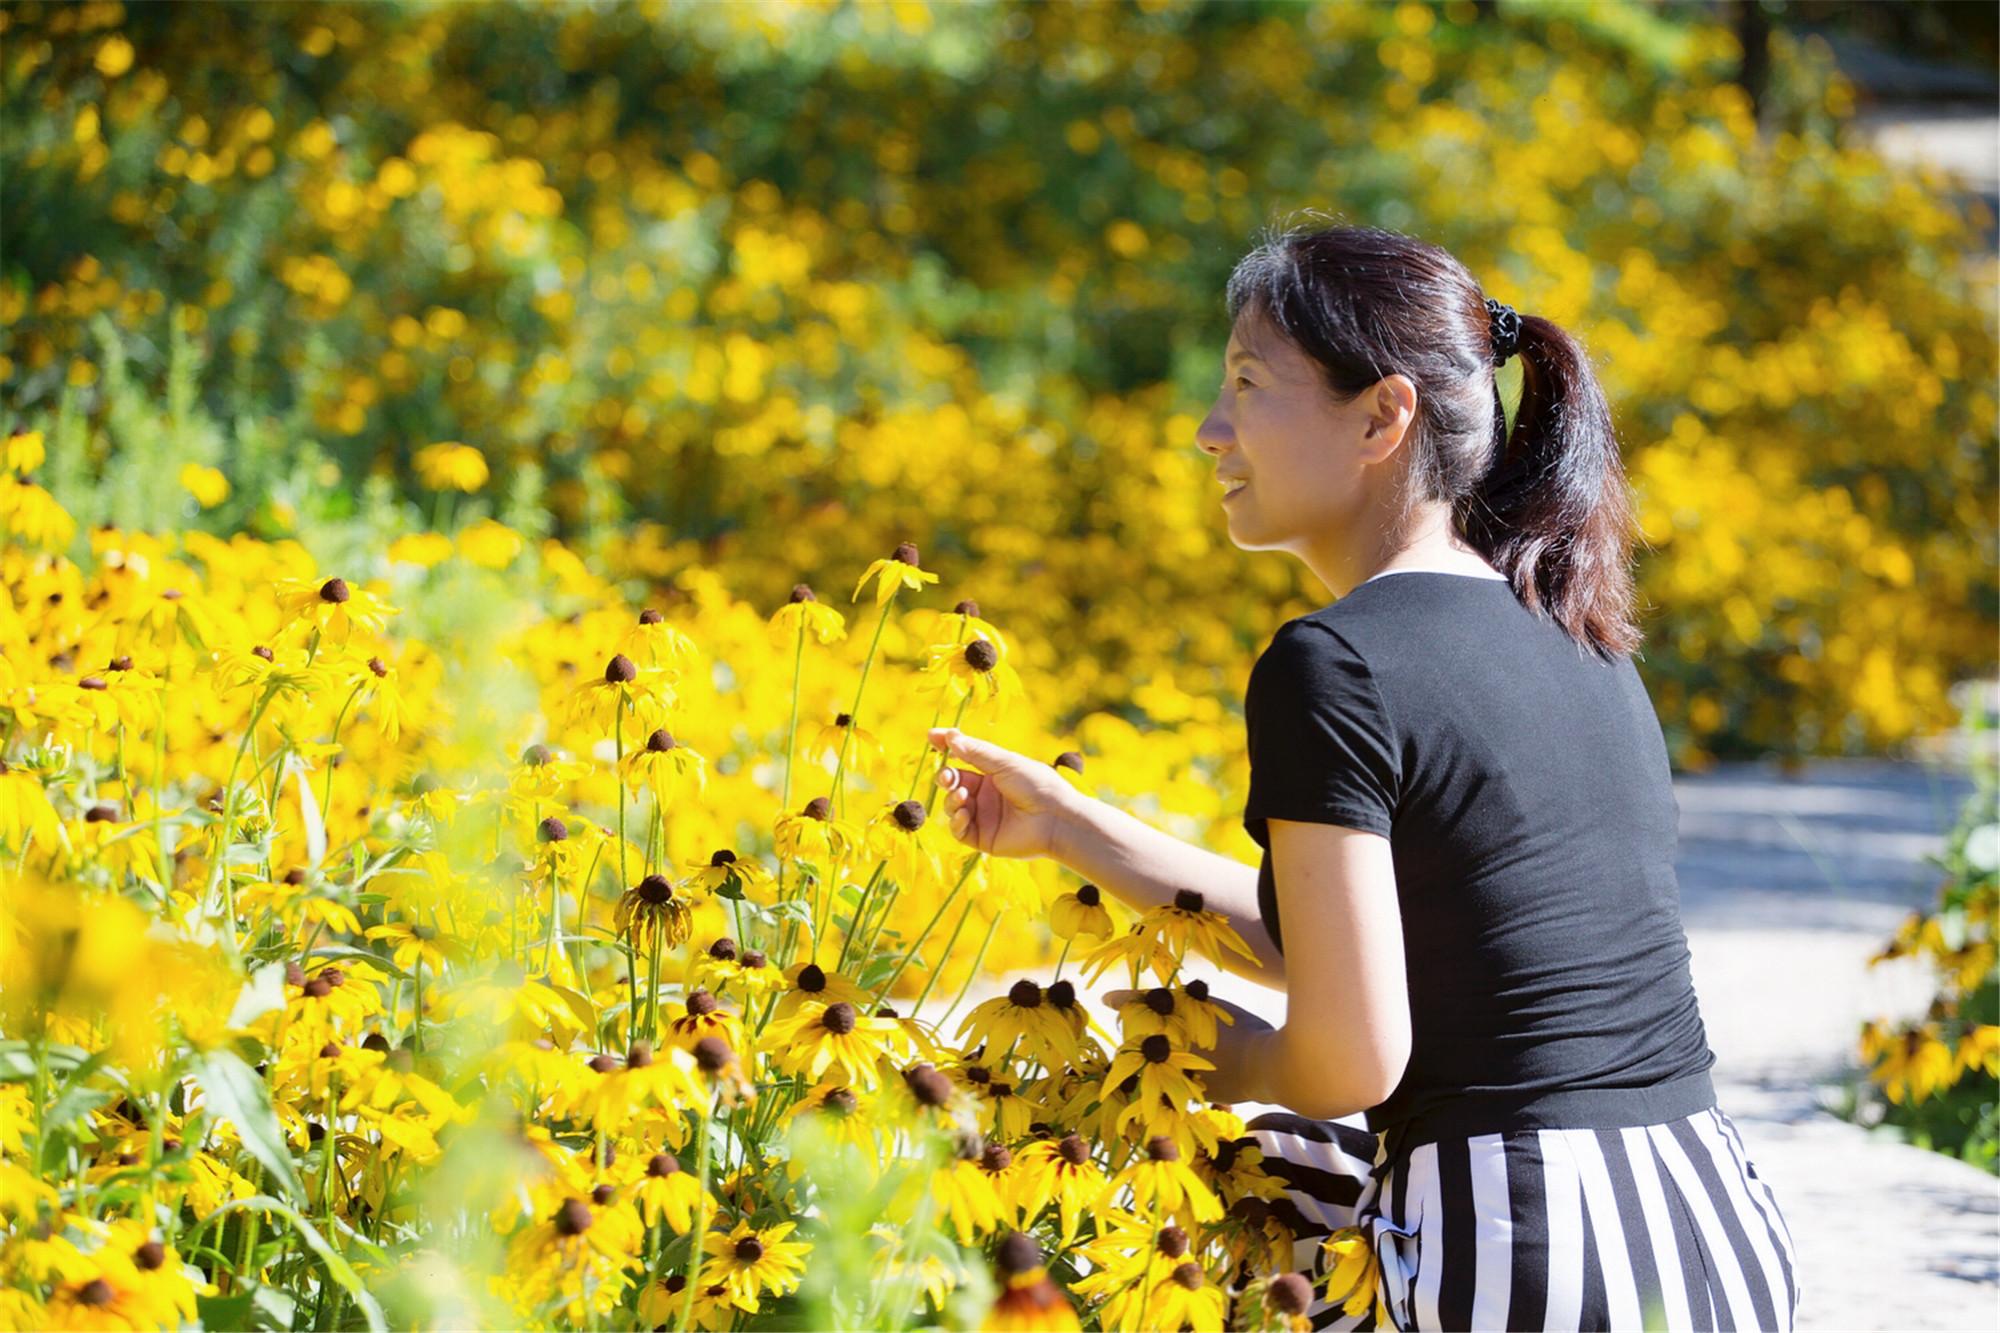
{"x":1524,"y":787}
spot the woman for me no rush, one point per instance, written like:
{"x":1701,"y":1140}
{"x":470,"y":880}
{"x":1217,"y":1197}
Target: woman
{"x":1468,"y":825}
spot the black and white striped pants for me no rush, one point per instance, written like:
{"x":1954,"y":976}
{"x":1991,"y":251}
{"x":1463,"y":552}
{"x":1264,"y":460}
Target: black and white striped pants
{"x":1655,"y":1226}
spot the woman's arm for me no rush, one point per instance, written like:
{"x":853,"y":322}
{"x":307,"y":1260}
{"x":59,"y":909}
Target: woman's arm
{"x":1145,"y":867}
{"x":1346,"y":1040}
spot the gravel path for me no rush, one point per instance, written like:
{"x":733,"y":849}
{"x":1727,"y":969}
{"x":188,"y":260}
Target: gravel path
{"x":1788,"y":885}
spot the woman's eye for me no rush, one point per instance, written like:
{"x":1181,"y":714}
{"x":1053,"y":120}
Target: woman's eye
{"x":1244,"y":382}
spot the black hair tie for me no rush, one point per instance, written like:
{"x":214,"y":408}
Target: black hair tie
{"x":1504,"y":327}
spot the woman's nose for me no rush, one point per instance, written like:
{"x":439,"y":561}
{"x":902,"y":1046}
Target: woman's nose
{"x":1213,"y":435}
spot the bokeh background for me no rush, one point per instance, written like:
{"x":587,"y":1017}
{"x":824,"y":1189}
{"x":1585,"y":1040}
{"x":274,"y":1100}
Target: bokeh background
{"x":761,"y":290}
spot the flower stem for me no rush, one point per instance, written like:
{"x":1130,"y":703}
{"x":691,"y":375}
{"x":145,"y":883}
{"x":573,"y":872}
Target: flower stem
{"x":700,"y":1231}
{"x":929,"y":926}
{"x":972,"y":975}
{"x":854,"y":712}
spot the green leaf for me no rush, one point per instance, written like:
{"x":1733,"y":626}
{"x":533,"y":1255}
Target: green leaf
{"x":261,"y":994}
{"x":336,"y":1267}
{"x":237,"y":1095}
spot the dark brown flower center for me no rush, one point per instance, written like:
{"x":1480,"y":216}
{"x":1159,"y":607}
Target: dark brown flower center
{"x":603,"y":1064}
{"x":1187,"y":900}
{"x":802,"y":593}
{"x":968,"y":607}
{"x":713,"y":1054}
{"x":96,"y":1292}
{"x":812,"y":978}
{"x":841,"y":1101}
{"x":749,"y":1250}
{"x":1069,"y":759}
{"x":1156,"y":1048}
{"x":150,"y":1255}
{"x":1017,"y":1254}
{"x":261,"y":651}
{"x":334,"y":590}
{"x":754,"y":958}
{"x":724,"y":949}
{"x":907,"y":553}
{"x":1160,"y":1000}
{"x":378,"y":666}
{"x":1062,"y":995}
{"x":996,"y":1157}
{"x":909,"y":815}
{"x":650,"y":617}
{"x":1189,"y":1276}
{"x":573,"y":1218}
{"x":639,"y":1056}
{"x":662,"y":1164}
{"x":552,"y":830}
{"x":1163,"y":1149}
{"x":701,"y":1003}
{"x":655,"y":890}
{"x":1025,"y":994}
{"x":928,"y":1086}
{"x":1291,"y":1293}
{"x":92,"y":683}
{"x":536,"y":755}
{"x":1173,"y":1242}
{"x":121,"y":663}
{"x":839,"y":1018}
{"x":981,"y":655}
{"x":603,"y":1194}
{"x":660,"y":741}
{"x":722,"y":857}
{"x":1197,"y":989}
{"x":619,"y":670}
{"x":101,"y":814}
{"x":1089,"y":895}
{"x":819,"y":807}
{"x":1073,"y":1149}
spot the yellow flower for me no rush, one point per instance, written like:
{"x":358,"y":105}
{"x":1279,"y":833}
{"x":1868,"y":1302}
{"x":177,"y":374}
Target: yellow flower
{"x":823,"y":622}
{"x":897,"y":571}
{"x":1913,"y":1064}
{"x":1159,"y":1178}
{"x":420,"y":548}
{"x":814,"y":834}
{"x":1062,"y":1170}
{"x":22,"y":451}
{"x":489,"y":544}
{"x":450,"y":466}
{"x":1080,"y":913}
{"x":977,"y":669}
{"x":668,"y":769}
{"x":1021,"y":1015}
{"x":966,"y":1193}
{"x":1979,"y":1048}
{"x":665,"y":1192}
{"x":1353,"y":1278}
{"x":749,"y":1260}
{"x":651,"y":915}
{"x":206,"y":484}
{"x":1028,"y":1302}
{"x":820,"y":1037}
{"x":332,"y":606}
{"x":624,"y":688}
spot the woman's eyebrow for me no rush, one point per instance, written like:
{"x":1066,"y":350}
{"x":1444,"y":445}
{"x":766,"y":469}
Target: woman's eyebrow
{"x":1240,"y":355}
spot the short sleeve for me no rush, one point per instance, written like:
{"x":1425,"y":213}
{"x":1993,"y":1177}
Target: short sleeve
{"x":1322,"y":750}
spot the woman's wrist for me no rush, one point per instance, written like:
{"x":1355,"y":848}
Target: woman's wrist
{"x":1070,"y":821}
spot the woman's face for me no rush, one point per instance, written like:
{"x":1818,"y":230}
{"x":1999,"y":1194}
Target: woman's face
{"x":1308,"y":459}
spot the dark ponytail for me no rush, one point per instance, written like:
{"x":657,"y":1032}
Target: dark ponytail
{"x":1548,"y":504}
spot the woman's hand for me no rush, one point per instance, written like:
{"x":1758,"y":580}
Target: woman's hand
{"x":1244,"y":1055}
{"x":1012,"y":807}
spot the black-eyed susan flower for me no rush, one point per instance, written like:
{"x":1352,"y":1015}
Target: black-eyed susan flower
{"x":1353,"y":1274}
{"x":1160,"y":1178}
{"x":664,"y":1078}
{"x":543,"y":778}
{"x":1278,"y":1302}
{"x":386,"y":690}
{"x":835,"y":1038}
{"x":804,"y":612}
{"x":705,"y":1016}
{"x":1978,"y":1048}
{"x":414,"y":942}
{"x":747,"y":975}
{"x":1028,"y":1302}
{"x":815,"y":835}
{"x":665,"y":1192}
{"x":899,"y":570}
{"x":965,"y":1193}
{"x":1162,"y":937}
{"x":668,"y":769}
{"x":1164,"y":1072}
{"x":1064,"y":1171}
{"x":623,"y":690}
{"x":864,"y":751}
{"x":1910,"y":1065}
{"x":725,"y":875}
{"x":723,"y":1073}
{"x":977,"y":670}
{"x":809,"y":983}
{"x":653,"y":642}
{"x":753,"y":1261}
{"x":1080,"y":912}
{"x":651,"y":915}
{"x":571,"y":1253}
{"x":851,"y":1116}
{"x":1003,"y":1109}
{"x":333,"y":607}
{"x":895,"y":834}
{"x":1019,"y":1016}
